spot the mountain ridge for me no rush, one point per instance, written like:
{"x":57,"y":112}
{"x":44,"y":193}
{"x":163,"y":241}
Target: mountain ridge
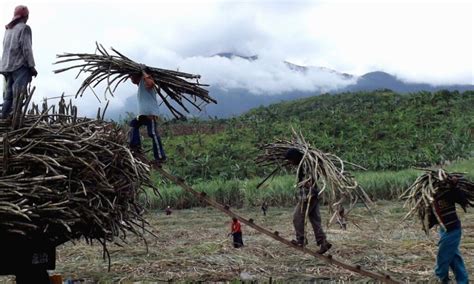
{"x":235,"y":101}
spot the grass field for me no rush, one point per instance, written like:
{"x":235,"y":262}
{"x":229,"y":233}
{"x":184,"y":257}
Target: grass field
{"x":192,"y":245}
{"x":385,"y":185}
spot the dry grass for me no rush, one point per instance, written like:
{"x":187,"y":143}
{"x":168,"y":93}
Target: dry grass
{"x":193,"y":245}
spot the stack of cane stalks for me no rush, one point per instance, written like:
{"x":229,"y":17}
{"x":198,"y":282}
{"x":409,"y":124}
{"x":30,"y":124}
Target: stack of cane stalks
{"x":64,"y":177}
{"x":336,"y":183}
{"x":421,"y":194}
{"x":178,"y":90}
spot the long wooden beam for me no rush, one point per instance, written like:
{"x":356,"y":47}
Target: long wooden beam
{"x":385,"y":278}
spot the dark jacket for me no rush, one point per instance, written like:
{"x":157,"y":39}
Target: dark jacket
{"x":304,"y":191}
{"x":445,"y":207}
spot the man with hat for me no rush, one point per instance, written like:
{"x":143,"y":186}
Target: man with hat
{"x":17,"y":63}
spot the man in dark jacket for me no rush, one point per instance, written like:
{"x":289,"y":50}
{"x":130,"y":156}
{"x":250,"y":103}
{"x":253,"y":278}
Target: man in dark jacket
{"x":450,"y":231}
{"x":17,"y":63}
{"x":308,"y":201}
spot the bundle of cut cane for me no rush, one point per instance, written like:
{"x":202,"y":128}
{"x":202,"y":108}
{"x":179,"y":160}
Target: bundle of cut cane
{"x":337,"y":183}
{"x":64,"y":177}
{"x":420,"y":195}
{"x":178,"y":90}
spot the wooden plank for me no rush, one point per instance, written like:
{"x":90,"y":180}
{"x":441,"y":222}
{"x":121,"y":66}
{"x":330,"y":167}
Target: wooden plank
{"x":385,"y":278}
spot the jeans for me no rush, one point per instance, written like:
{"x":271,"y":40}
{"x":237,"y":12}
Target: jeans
{"x":450,"y":256}
{"x":150,"y":123}
{"x":15,"y":84}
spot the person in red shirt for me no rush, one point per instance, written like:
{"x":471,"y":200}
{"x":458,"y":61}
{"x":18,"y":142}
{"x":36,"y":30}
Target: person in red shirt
{"x":237,"y":233}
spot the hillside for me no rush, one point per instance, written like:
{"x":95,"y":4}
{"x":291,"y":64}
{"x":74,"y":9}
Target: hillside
{"x":379,"y":130}
{"x":236,"y":101}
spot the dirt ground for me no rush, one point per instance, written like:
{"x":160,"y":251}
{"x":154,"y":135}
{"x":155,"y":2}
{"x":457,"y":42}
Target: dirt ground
{"x":192,"y":245}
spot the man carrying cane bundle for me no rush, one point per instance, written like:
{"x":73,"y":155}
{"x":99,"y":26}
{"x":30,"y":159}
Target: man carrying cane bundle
{"x":449,"y":255}
{"x":308,"y":203}
{"x":147,"y":114}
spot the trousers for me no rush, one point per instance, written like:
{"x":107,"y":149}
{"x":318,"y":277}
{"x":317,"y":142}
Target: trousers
{"x":314,"y":216}
{"x":135,"y":141}
{"x":15,"y":84}
{"x":450,"y":256}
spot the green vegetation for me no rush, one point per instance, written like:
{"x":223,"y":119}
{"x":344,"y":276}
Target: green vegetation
{"x":380,"y":130}
{"x":280,"y":190}
{"x":385,"y":132}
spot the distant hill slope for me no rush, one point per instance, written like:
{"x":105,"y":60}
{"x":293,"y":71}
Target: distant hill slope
{"x":233,"y":101}
{"x":381,"y":80}
{"x":379,"y":130}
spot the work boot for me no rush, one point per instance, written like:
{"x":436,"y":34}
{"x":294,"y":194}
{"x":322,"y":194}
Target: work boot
{"x":325,"y":246}
{"x":136,"y":150}
{"x":299,"y":243}
{"x":157,"y":164}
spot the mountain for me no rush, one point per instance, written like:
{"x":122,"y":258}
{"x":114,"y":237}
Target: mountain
{"x":381,"y":80}
{"x":305,"y":69}
{"x":230,"y":102}
{"x":235,"y":101}
{"x":231,"y":55}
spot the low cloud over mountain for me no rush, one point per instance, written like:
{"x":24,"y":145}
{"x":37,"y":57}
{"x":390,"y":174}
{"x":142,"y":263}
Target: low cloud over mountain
{"x":248,"y":81}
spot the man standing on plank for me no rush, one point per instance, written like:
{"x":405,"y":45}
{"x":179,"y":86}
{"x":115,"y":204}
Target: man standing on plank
{"x":308,"y":203}
{"x":147,"y":114}
{"x":17,"y":63}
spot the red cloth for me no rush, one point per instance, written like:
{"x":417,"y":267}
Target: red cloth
{"x":20,"y":12}
{"x":236,"y":227}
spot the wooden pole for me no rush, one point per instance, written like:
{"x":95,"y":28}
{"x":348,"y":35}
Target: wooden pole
{"x":385,"y":278}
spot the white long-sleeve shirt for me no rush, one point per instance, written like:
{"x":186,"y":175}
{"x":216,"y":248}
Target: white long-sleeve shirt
{"x":17,"y":48}
{"x":147,"y":100}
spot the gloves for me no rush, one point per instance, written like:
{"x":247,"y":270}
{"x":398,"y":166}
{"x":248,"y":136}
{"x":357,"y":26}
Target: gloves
{"x":33,"y":71}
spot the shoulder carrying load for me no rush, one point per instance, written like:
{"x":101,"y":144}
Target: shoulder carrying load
{"x":178,"y":90}
{"x":432,"y":186}
{"x":314,"y":166}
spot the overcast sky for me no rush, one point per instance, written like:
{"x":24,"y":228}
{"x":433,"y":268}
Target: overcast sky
{"x":417,"y":40}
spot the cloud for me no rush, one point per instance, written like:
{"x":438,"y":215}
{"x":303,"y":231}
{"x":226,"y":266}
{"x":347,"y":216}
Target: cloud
{"x":420,"y":41}
{"x":266,"y":75}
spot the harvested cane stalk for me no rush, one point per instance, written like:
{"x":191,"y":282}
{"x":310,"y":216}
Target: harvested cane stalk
{"x":65,"y":177}
{"x":421,"y":194}
{"x":175,"y":88}
{"x":318,"y":167}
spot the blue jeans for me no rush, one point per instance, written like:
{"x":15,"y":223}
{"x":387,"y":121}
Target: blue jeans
{"x":135,"y":140}
{"x":15,"y":84}
{"x":450,"y":256}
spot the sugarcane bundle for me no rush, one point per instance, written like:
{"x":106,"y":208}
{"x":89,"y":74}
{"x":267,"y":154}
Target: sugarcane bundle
{"x":420,"y":196}
{"x":338,"y":184}
{"x":178,"y":90}
{"x":64,"y":177}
